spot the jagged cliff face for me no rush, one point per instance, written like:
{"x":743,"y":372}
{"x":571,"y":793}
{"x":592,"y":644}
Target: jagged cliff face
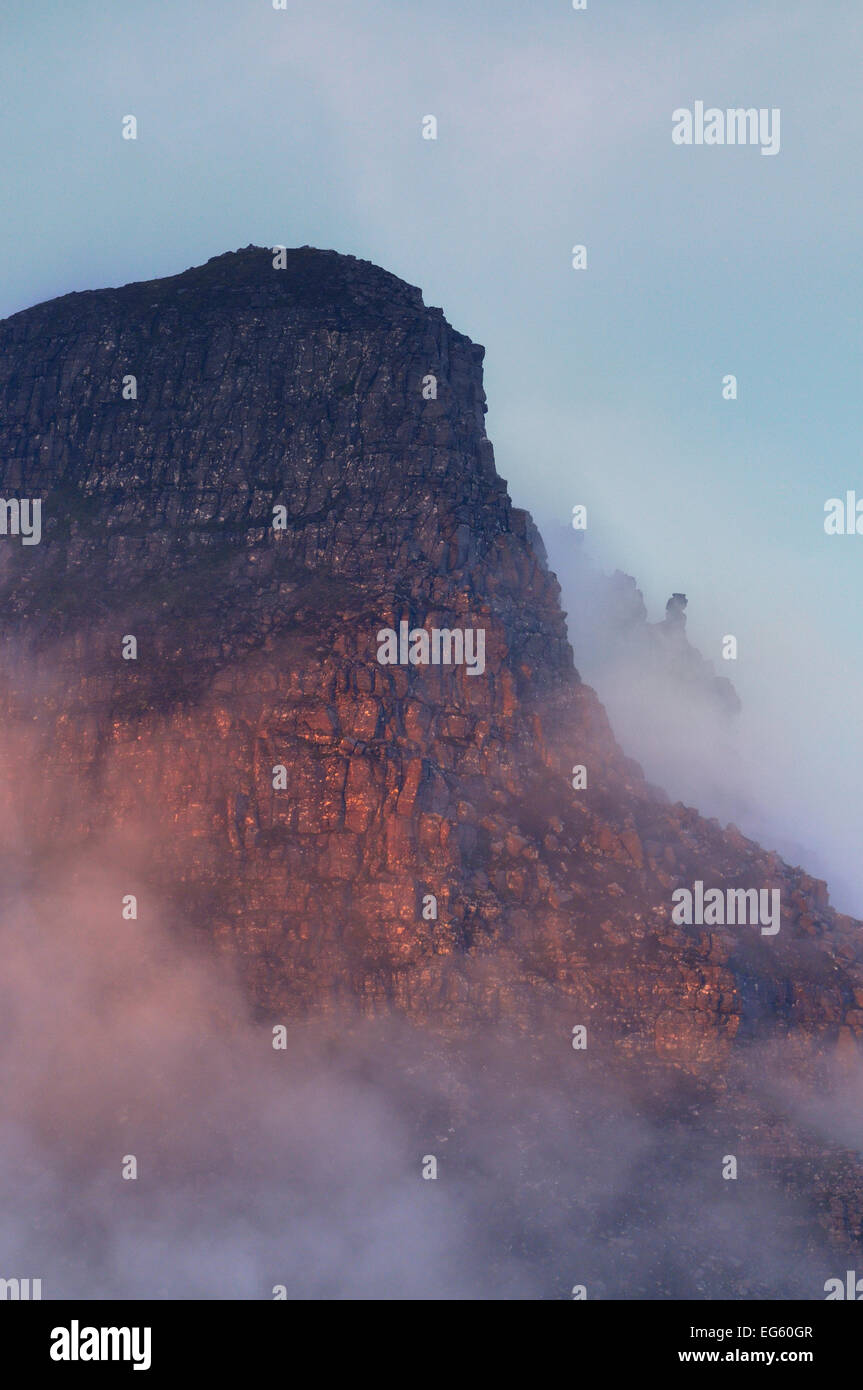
{"x":257,"y":650}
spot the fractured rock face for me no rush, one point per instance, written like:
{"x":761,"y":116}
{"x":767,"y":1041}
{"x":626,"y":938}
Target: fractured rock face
{"x":299,"y":798}
{"x":401,"y":835}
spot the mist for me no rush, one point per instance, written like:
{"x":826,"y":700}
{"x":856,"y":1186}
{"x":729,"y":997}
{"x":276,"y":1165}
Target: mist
{"x":264,"y":1173}
{"x":776,"y":768}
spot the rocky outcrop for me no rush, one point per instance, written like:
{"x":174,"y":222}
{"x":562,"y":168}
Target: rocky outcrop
{"x":409,"y":836}
{"x":608,"y":625}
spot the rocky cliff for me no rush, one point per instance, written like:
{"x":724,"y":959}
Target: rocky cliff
{"x":411,"y":837}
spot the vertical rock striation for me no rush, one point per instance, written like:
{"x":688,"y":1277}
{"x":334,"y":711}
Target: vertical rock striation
{"x":285,"y":798}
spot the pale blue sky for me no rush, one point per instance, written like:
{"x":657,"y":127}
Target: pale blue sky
{"x":303,"y":126}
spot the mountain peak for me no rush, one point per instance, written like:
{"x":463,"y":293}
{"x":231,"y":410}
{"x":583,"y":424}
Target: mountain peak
{"x":325,"y":285}
{"x":253,"y":482}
